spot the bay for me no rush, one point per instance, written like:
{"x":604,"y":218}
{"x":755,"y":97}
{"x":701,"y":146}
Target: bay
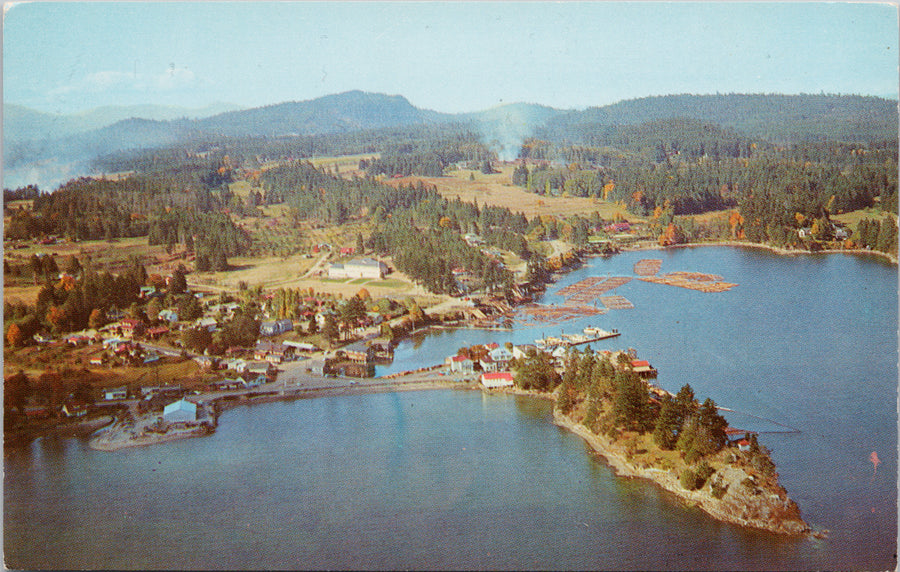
{"x":454,"y":479}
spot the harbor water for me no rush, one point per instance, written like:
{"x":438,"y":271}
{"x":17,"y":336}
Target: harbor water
{"x":804,"y":350}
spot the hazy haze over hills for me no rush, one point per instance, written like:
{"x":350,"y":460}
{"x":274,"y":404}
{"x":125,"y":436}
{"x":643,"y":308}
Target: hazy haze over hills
{"x":46,"y":149}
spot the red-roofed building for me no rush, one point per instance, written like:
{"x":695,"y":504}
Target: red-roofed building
{"x":497,"y":379}
{"x":643,"y":368}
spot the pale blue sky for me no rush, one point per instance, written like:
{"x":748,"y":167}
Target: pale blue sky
{"x":450,"y":57}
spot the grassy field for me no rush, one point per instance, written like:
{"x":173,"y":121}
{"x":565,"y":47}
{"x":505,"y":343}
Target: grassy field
{"x":346,"y":164}
{"x":852,"y":219}
{"x":497,"y":190}
{"x":109,"y":255}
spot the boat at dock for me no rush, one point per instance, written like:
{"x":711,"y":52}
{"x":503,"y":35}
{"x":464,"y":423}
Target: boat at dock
{"x":570,"y":340}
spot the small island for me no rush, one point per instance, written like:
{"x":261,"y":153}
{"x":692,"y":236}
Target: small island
{"x":674,"y":440}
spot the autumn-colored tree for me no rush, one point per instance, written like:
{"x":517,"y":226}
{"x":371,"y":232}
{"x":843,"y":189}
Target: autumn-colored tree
{"x":16,"y":336}
{"x":363,"y":294}
{"x":97,"y":319}
{"x":66,"y":283}
{"x":57,"y":318}
{"x":672,"y":235}
{"x":607,"y":188}
{"x":736,"y":221}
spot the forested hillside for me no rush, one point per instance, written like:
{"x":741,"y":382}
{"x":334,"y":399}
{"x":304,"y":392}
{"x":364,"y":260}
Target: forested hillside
{"x":776,"y":118}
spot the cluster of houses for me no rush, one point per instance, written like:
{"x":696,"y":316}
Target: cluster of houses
{"x":491,"y":359}
{"x":493,"y":362}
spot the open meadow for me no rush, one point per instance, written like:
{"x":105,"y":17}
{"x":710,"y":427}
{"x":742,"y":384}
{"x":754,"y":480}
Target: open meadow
{"x":497,"y":190}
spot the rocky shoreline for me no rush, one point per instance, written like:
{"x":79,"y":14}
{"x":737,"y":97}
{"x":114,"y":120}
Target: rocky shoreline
{"x":770,"y":511}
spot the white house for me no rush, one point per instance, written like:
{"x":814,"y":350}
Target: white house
{"x":237,"y":364}
{"x":207,"y":322}
{"x":116,"y":393}
{"x":180,"y":411}
{"x":498,"y":379}
{"x":358,"y":268}
{"x":487,"y":364}
{"x":501,"y":355}
{"x":168,"y":315}
{"x":520,"y":352}
{"x":462,"y":364}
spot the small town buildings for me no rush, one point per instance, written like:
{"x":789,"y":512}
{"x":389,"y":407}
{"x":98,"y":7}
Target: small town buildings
{"x":494,"y":380}
{"x":743,"y":445}
{"x":643,"y":368}
{"x":237,"y":364}
{"x":259,"y":368}
{"x":501,"y":355}
{"x":181,"y":411}
{"x":227,"y":384}
{"x":302,"y":346}
{"x":207,"y":362}
{"x":358,"y":268}
{"x":116,"y":393}
{"x":276,"y":327}
{"x":74,"y":408}
{"x":114,"y":314}
{"x":97,"y":361}
{"x":131,"y":327}
{"x":359,"y":352}
{"x":521,"y":352}
{"x":462,"y":364}
{"x":251,"y":380}
{"x":168,"y":315}
{"x":207,"y":322}
{"x":156,"y":333}
{"x":487,"y":364}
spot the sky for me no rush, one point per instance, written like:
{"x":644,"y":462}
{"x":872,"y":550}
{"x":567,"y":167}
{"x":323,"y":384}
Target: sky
{"x":451,"y":57}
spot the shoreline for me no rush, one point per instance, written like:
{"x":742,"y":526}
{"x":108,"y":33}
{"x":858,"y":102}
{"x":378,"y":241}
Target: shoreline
{"x":716,"y":508}
{"x":773,"y":249}
{"x":114,"y":437}
{"x":719,"y":509}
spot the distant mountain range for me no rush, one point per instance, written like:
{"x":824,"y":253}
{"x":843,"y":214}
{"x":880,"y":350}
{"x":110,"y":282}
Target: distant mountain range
{"x":24,"y":124}
{"x":36,"y":142}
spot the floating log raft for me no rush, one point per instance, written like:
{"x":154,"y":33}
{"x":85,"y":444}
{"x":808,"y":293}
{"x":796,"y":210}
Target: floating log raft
{"x":708,"y":283}
{"x":647,"y":266}
{"x":586,"y":291}
{"x":616,"y":302}
{"x":534,"y":314}
{"x":576,"y":287}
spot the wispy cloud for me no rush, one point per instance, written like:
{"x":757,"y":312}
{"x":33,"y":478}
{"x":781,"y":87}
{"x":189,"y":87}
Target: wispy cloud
{"x":172,"y":78}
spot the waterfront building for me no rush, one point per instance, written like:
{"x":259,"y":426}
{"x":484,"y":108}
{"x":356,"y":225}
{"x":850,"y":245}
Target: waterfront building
{"x":521,"y":352}
{"x":180,"y":411}
{"x":462,"y":364}
{"x":487,"y":364}
{"x":497,"y":379}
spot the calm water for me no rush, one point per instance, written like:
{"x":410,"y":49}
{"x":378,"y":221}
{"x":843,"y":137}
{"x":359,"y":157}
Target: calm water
{"x":456,"y":479}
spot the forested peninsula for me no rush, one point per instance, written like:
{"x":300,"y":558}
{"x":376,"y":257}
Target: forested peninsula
{"x":676,"y":441}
